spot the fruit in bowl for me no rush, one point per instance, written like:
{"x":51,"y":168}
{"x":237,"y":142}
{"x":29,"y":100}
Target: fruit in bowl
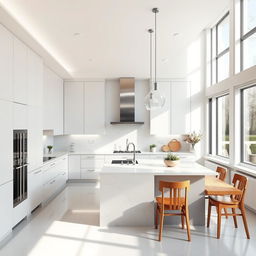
{"x":171,"y":160}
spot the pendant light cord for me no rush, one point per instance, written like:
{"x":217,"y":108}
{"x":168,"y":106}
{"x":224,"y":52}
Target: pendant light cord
{"x":155,"y":50}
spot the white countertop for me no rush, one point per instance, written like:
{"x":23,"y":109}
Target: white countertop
{"x":188,"y":168}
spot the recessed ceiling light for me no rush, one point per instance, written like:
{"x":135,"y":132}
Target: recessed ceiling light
{"x":176,"y":34}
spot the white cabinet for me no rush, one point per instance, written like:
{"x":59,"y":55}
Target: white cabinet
{"x":94,"y":108}
{"x":20,"y":72}
{"x":6,"y":202}
{"x":89,"y":165}
{"x":52,"y":102}
{"x":35,"y":79}
{"x":84,"y":109}
{"x":160,"y":119}
{"x":6,"y":137}
{"x":74,"y":107}
{"x":74,"y":167}
{"x":180,"y":107}
{"x":175,"y":117}
{"x":20,"y":116}
{"x":35,"y":133}
{"x":35,"y":187}
{"x":6,"y":61}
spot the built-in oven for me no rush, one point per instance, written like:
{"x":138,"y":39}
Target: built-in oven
{"x":20,"y":166}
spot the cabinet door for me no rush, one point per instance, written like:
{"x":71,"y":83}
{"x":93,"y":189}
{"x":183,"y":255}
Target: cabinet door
{"x":94,"y":108}
{"x":20,"y":72}
{"x":180,"y":107}
{"x":6,"y":59}
{"x":35,"y":133}
{"x":74,"y":108}
{"x":74,"y":167}
{"x":35,"y":79}
{"x":35,"y":186}
{"x":6,"y":202}
{"x":6,"y":138}
{"x":20,"y":116}
{"x":160,"y":119}
{"x":52,"y":102}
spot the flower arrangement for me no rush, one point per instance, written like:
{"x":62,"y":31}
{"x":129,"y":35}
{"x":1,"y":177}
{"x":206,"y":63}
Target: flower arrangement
{"x":193,"y":138}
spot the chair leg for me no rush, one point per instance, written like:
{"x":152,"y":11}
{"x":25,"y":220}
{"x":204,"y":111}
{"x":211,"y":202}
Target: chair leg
{"x":234,"y":217}
{"x":188,"y":223}
{"x":161,"y":226}
{"x":245,"y":222}
{"x":209,"y":214}
{"x":226,"y":212}
{"x":219,"y":222}
{"x":182,"y":221}
{"x":156,"y":218}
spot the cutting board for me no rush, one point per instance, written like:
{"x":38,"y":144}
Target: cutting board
{"x":174,"y":145}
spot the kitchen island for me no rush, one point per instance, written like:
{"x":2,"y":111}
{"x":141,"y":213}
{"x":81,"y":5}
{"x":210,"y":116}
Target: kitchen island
{"x":127,"y":192}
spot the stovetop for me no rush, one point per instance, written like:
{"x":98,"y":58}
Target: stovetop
{"x":125,"y":151}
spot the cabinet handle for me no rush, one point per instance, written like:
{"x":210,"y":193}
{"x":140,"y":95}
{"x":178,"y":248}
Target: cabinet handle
{"x":52,"y":164}
{"x":91,"y":170}
{"x":38,"y":172}
{"x":52,"y":181}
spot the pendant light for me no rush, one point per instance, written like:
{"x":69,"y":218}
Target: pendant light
{"x":154,"y":100}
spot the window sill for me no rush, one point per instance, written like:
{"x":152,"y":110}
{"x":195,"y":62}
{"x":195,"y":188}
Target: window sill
{"x":247,"y":169}
{"x":218,"y":160}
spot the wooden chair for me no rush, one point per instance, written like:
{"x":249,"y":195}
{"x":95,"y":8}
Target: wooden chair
{"x":234,"y":202}
{"x":222,"y":173}
{"x":175,"y":202}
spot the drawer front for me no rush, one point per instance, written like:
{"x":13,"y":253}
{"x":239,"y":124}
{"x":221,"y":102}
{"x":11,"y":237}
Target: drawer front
{"x":50,"y":172}
{"x":92,"y":163}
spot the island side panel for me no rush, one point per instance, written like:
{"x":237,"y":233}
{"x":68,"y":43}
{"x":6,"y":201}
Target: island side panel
{"x":126,"y":200}
{"x":195,"y":198}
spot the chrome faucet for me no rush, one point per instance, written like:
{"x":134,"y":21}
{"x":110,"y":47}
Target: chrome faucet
{"x":134,"y":152}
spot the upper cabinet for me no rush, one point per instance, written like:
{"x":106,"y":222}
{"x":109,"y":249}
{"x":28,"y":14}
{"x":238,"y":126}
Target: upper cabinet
{"x":94,"y":107}
{"x":20,"y":72}
{"x":74,"y":108}
{"x":174,"y":118}
{"x":84,"y":109}
{"x":6,"y":56}
{"x":52,"y":102}
{"x":35,"y":79}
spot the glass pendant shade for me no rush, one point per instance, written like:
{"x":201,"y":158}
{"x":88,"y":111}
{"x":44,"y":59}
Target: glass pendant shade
{"x":154,"y":100}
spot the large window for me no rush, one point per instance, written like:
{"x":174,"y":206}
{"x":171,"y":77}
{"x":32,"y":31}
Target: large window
{"x":210,"y":125}
{"x":222,"y":126}
{"x":220,"y":50}
{"x":249,"y":124}
{"x":248,"y":33}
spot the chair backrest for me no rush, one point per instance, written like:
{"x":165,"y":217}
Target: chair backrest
{"x":240,"y":182}
{"x":222,"y":173}
{"x":177,"y":190}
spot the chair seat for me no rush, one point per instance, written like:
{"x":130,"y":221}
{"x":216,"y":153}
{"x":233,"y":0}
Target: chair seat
{"x":224,"y":199}
{"x":168,"y":201}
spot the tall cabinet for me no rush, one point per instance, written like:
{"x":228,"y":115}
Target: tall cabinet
{"x":84,"y":107}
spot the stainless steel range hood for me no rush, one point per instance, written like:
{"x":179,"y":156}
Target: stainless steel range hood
{"x":127,"y":101}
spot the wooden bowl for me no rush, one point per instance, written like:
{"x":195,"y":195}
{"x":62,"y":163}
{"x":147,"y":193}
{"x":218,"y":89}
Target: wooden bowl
{"x":174,"y":145}
{"x":165,"y":148}
{"x":170,"y":163}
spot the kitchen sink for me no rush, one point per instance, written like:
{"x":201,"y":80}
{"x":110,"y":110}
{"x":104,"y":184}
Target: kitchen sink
{"x":123,"y":162}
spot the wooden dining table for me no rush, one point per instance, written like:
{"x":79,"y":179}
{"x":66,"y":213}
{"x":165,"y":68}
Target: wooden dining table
{"x":215,"y":186}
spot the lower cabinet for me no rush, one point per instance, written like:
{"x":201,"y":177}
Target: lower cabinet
{"x":35,"y":186}
{"x":6,"y":202}
{"x":74,"y":167}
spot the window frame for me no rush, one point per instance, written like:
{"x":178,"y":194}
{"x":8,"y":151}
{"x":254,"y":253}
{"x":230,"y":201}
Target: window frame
{"x":217,"y":123}
{"x":242,"y":134}
{"x":243,"y":36}
{"x":210,"y":123}
{"x":218,"y":55}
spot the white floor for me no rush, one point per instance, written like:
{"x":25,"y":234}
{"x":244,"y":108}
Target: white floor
{"x":69,"y":226}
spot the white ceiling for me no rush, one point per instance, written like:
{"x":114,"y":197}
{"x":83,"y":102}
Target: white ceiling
{"x":113,"y":40}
